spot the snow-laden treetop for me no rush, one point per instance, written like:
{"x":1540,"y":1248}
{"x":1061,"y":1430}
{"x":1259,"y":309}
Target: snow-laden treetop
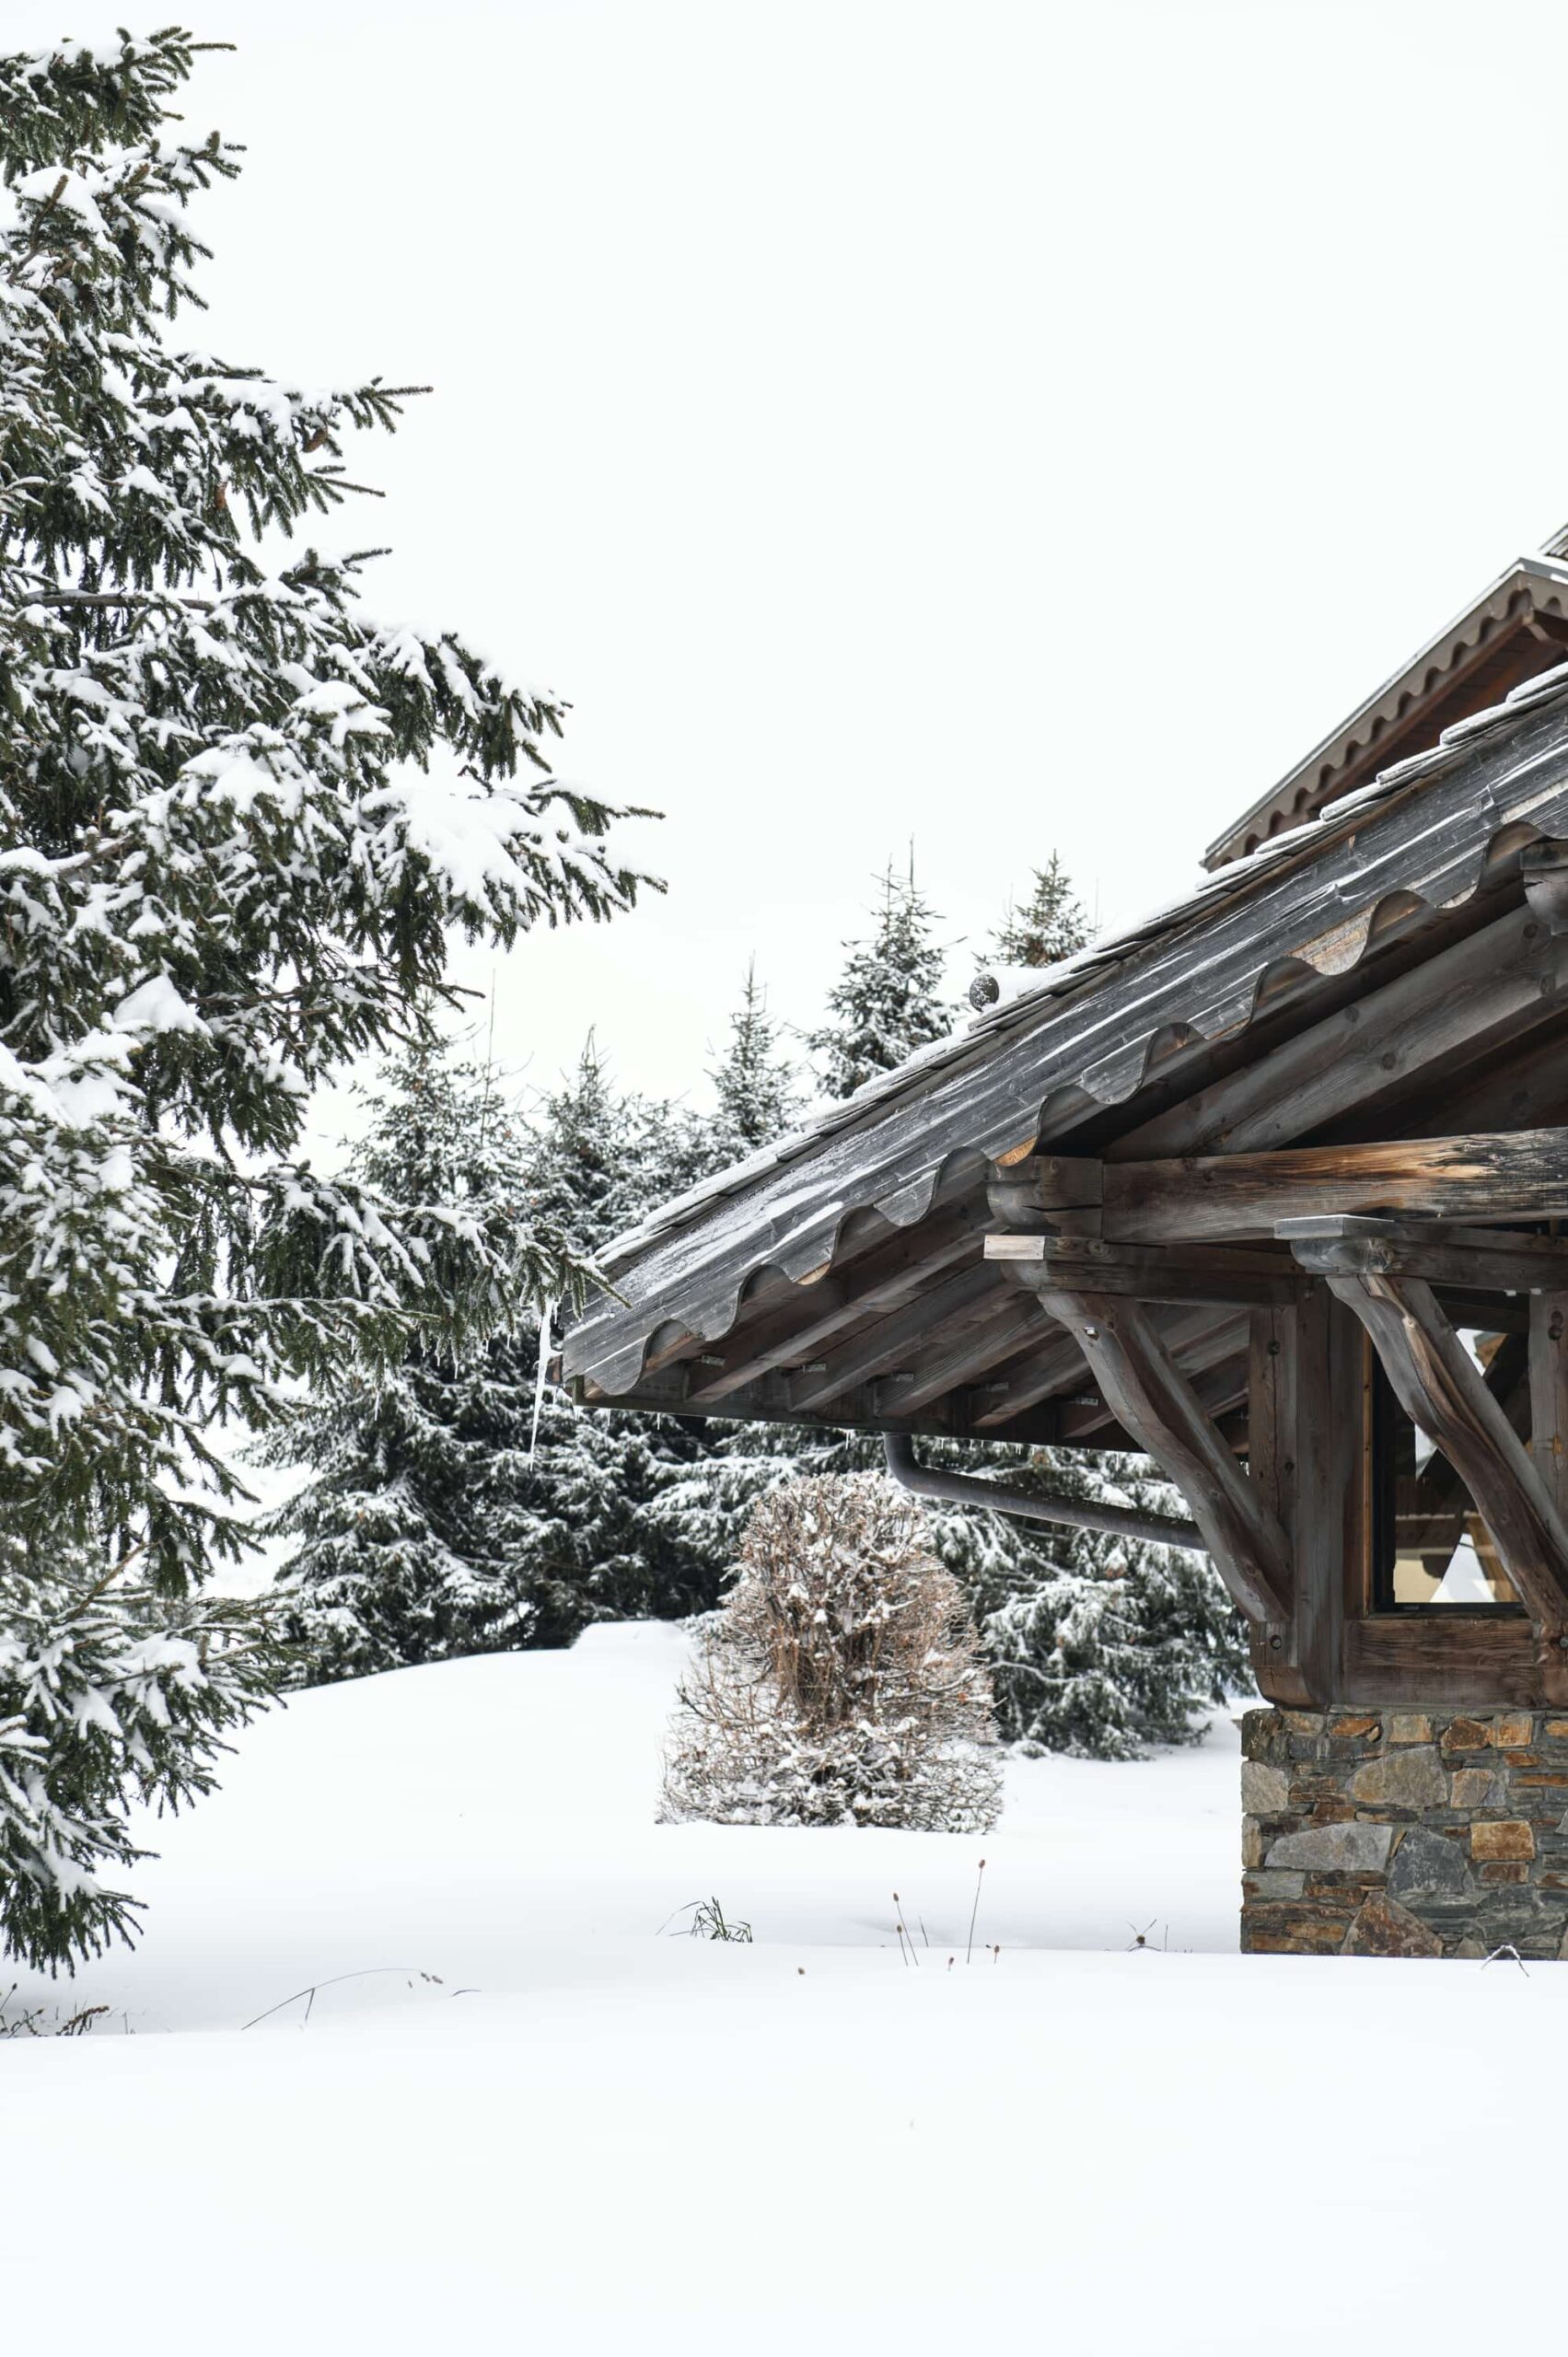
{"x":240,"y":813}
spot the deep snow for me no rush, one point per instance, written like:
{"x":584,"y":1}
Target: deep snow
{"x":585,"y":2135}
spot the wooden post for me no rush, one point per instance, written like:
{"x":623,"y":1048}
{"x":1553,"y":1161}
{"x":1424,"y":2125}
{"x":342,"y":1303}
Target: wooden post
{"x":1318,"y":1441}
{"x":1549,"y":1394}
{"x":1274,"y":1368}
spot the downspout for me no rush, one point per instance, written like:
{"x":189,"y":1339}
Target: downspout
{"x":970,"y":1490}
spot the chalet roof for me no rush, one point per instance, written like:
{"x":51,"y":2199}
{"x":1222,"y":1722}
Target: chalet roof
{"x":1464,"y":661}
{"x":1313,"y":902}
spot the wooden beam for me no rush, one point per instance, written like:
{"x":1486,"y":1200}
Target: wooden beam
{"x":1495,"y":1175}
{"x":1156,"y":1402}
{"x":1477,"y":1260}
{"x":1440,"y":1387}
{"x":1448,"y":1659}
{"x":1199,"y":1273}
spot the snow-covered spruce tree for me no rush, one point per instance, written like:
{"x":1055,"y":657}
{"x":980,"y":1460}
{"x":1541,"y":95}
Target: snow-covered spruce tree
{"x":753,"y":1081}
{"x":401,"y":1556}
{"x":109,"y":1692}
{"x":841,"y":1683}
{"x":1050,"y":926}
{"x":1098,"y":1646}
{"x":431,"y":1524}
{"x":629,"y":1516}
{"x":239,"y":819}
{"x":600,"y":1158}
{"x":886,"y":1004}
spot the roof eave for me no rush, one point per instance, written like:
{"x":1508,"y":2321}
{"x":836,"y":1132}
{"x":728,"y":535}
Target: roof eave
{"x":1524,"y":571}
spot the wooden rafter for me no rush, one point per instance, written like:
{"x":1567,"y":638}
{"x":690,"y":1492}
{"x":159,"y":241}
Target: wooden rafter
{"x":1483,"y":992}
{"x":969,"y":1297}
{"x":801,"y":1318}
{"x":964,"y":1358}
{"x":1156,"y":1402}
{"x":1211,"y":1353}
{"x":1055,"y":1365}
{"x":1044,"y":1367}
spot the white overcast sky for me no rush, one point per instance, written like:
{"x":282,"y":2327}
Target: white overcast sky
{"x":1005,"y":426}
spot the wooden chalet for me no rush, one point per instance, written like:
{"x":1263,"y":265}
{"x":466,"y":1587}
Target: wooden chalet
{"x":1269,"y":1187}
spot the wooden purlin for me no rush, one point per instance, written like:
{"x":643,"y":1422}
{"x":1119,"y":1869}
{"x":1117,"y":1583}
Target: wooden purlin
{"x":1200,"y":977}
{"x":1508,"y":1174}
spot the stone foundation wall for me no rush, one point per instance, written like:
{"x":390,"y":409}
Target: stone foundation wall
{"x":1404,"y":1833}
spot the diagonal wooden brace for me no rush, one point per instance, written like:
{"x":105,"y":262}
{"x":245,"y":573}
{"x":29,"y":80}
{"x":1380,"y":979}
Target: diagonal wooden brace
{"x":1441,"y":1388}
{"x":1152,"y":1399}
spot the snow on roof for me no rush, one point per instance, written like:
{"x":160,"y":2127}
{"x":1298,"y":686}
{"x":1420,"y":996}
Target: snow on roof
{"x":1191,"y":968}
{"x":1357,"y":729}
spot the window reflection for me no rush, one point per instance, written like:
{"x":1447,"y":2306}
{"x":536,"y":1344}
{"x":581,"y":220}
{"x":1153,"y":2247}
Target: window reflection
{"x":1433,"y":1547}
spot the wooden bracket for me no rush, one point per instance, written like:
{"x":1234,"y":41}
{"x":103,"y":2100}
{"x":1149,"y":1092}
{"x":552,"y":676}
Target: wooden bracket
{"x":1152,"y":1399}
{"x":1479,"y":1260}
{"x":1440,"y":1387}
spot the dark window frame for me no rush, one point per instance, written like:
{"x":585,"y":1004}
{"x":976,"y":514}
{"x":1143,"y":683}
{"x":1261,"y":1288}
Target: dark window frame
{"x":1385,"y":1408}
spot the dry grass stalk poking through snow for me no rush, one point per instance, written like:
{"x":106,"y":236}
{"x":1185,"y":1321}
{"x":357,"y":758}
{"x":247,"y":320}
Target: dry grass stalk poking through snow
{"x":840,"y":1683}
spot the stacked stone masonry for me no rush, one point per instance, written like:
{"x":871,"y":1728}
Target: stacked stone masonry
{"x":1424,"y":1833}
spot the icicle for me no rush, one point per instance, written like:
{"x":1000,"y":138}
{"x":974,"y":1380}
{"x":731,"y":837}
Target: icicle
{"x":545,"y":1317}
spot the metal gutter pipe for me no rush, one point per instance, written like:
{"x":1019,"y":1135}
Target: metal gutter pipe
{"x":970,"y":1490}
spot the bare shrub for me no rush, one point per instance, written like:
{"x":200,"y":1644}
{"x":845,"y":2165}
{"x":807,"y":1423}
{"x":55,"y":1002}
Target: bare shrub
{"x":840,"y":1683}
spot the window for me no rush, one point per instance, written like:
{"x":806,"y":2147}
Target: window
{"x":1430,"y":1549}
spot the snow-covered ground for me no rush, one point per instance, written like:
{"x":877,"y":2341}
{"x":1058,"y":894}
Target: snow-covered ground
{"x":586,"y":2135}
